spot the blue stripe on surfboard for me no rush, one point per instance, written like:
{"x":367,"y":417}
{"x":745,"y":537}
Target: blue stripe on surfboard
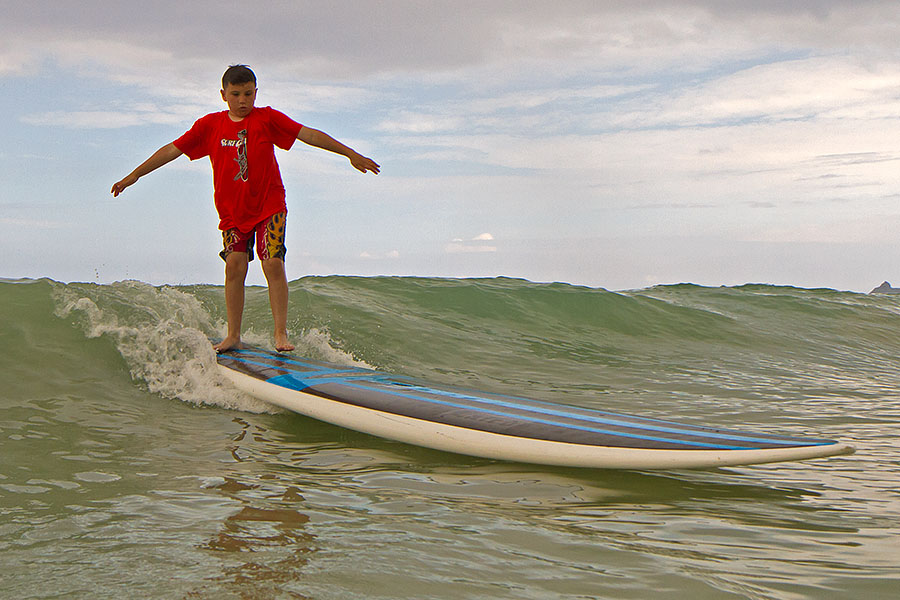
{"x":345,"y":376}
{"x":663,"y":427}
{"x":317,"y":368}
{"x":291,"y":382}
{"x":514,"y":401}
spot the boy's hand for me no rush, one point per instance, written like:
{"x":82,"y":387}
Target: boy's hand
{"x":162,"y":156}
{"x":120,"y":186}
{"x":363,"y":164}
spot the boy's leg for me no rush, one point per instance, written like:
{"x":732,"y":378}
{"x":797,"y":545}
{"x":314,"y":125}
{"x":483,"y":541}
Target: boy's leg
{"x":273,"y":268}
{"x":271,"y":250}
{"x":236,"y":264}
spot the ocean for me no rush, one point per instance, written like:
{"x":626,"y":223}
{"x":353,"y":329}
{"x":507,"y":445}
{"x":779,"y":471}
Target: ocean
{"x":129,"y":468}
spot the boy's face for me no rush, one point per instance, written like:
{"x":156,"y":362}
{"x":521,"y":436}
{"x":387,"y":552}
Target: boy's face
{"x":240,"y":98}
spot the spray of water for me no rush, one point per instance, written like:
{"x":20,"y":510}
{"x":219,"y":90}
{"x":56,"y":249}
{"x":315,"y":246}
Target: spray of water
{"x":163,"y":335}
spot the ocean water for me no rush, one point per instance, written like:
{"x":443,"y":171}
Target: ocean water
{"x":128,"y":468}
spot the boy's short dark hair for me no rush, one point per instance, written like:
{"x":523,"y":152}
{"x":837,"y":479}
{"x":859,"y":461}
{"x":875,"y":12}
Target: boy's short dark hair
{"x":236,"y":75}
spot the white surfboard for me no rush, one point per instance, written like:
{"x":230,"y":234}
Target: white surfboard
{"x":498,"y":426}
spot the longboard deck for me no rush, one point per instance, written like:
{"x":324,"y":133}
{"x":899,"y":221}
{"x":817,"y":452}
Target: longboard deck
{"x":498,"y":426}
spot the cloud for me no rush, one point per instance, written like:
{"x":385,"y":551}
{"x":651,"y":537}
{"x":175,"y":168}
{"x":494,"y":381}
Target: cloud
{"x":32,"y":223}
{"x":392,"y":254}
{"x":421,"y":123}
{"x":839,"y":228}
{"x":856,"y":158}
{"x":106,"y":119}
{"x":15,"y":62}
{"x":457,"y":248}
{"x":335,"y":40}
{"x":465,"y":40}
{"x":820,"y":87}
{"x":472,"y":246}
{"x":522,"y":110}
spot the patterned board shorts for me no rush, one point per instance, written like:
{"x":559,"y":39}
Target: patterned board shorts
{"x":269,"y":236}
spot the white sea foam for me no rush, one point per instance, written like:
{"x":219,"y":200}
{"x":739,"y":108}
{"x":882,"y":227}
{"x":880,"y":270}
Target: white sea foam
{"x":316,"y":343}
{"x":163,"y":335}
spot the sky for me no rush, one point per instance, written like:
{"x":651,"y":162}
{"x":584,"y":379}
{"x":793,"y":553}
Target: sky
{"x":618,"y":144}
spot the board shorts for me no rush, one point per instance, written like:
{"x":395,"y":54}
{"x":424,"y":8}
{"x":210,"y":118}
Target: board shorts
{"x":269,"y":235}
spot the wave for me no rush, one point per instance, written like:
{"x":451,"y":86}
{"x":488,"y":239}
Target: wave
{"x":671,"y":348}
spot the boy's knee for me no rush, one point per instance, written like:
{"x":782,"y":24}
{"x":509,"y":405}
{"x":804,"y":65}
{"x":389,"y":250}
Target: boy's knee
{"x":273,"y":265}
{"x":273,"y":269}
{"x":236,"y":264}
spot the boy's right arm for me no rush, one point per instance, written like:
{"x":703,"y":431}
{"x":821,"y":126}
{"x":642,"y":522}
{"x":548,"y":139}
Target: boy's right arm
{"x":163,"y":156}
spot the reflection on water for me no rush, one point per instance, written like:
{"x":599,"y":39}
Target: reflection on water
{"x":263,"y":548}
{"x":273,"y":548}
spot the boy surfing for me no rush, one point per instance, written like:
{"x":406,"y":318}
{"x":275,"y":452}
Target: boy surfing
{"x":248,"y":190}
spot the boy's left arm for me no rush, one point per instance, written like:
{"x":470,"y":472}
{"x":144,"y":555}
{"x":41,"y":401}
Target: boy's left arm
{"x":322,"y":140}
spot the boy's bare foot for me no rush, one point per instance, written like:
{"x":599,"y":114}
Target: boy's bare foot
{"x":282,"y":344}
{"x":228,"y":344}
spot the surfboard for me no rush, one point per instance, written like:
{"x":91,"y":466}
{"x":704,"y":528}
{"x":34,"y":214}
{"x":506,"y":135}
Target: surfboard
{"x":498,"y":426}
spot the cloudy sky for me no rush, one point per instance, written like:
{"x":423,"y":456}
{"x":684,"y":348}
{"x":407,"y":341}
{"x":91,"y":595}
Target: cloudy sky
{"x":617,"y":144}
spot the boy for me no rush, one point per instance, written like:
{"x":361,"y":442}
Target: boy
{"x":249,"y":194}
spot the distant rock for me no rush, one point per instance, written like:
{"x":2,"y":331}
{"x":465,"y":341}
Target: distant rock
{"x":885,"y":288}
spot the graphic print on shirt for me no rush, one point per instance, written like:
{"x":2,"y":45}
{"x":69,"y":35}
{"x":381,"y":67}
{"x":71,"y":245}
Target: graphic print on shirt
{"x":241,"y":145}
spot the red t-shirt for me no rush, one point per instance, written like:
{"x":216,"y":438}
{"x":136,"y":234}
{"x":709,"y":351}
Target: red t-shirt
{"x":246,"y":179}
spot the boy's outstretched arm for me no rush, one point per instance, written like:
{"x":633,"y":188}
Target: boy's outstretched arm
{"x":322,"y":140}
{"x":164,"y":155}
